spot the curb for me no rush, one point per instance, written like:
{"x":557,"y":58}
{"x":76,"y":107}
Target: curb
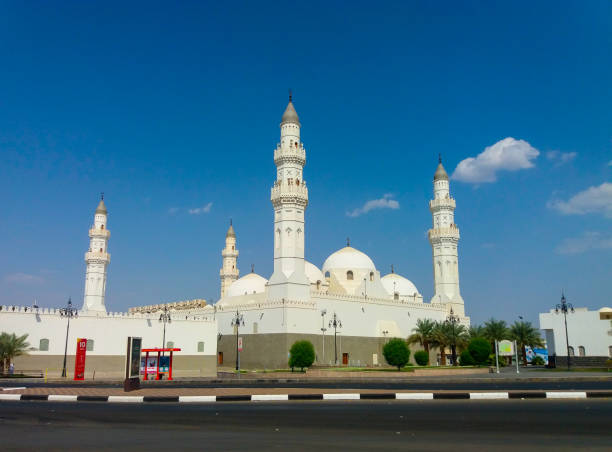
{"x":335,"y":396}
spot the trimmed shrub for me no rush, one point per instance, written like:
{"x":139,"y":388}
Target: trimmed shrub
{"x":537,"y":361}
{"x":465,"y":359}
{"x":480,"y":349}
{"x":302,"y":355}
{"x":396,"y":353}
{"x":421,"y":357}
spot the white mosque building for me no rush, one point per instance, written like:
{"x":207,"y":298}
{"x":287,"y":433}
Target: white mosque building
{"x":300,"y":300}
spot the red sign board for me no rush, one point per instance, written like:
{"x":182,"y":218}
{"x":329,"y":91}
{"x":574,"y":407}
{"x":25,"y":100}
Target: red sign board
{"x":79,"y":362}
{"x":239,"y":344}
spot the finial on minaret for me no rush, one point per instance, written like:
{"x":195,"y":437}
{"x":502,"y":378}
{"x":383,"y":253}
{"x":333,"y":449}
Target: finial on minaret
{"x":102,"y":196}
{"x":392,"y":271}
{"x":252,"y":268}
{"x":348,"y":241}
{"x":230,"y":222}
{"x":439,"y":158}
{"x":290,"y":95}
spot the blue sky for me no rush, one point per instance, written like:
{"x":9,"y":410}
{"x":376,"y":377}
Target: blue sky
{"x":169,"y":108}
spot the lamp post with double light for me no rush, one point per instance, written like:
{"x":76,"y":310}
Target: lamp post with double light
{"x":69,"y":311}
{"x":452,"y":320}
{"x":237,"y":322}
{"x":335,"y":323}
{"x":165,"y":318}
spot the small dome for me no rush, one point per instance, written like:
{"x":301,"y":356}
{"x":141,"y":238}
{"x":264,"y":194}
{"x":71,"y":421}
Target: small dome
{"x":397,"y":283}
{"x":251,"y":283}
{"x":605,"y":309}
{"x":101,"y":207}
{"x":440,"y":173}
{"x":290,"y":114}
{"x":313,"y":273}
{"x":348,"y":257}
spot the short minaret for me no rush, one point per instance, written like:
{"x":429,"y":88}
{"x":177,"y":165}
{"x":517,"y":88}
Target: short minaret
{"x":97,"y":259}
{"x":229,"y":271}
{"x":289,"y":199}
{"x":444,"y":237}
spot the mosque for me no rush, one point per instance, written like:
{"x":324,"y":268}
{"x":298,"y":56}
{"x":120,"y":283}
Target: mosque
{"x":346,"y":308}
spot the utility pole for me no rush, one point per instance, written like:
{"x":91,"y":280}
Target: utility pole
{"x":67,"y":312}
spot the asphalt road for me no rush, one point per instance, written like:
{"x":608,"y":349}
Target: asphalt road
{"x":361,"y":425}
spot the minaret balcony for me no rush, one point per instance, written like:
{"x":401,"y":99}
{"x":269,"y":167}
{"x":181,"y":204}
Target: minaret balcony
{"x":229,"y":253}
{"x":282,"y":193}
{"x":95,"y":232}
{"x":440,"y":203}
{"x":95,"y":256}
{"x":441,"y":233}
{"x":294,"y":155}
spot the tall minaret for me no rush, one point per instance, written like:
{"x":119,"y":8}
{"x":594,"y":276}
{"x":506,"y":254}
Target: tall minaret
{"x":289,"y":198}
{"x":229,"y":271}
{"x":444,"y":237}
{"x":97,"y":259}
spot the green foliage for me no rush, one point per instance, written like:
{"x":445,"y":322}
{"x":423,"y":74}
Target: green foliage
{"x":537,"y":361}
{"x":496,"y":330}
{"x":422,"y":334}
{"x":302,"y":355}
{"x":465,"y":359}
{"x":421,"y":357}
{"x":480,"y":349}
{"x":396,"y":353}
{"x":11,"y":346}
{"x":476,"y":331}
{"x":525,"y":335}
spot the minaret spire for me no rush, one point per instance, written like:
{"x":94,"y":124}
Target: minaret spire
{"x":229,"y":271}
{"x":97,"y":260}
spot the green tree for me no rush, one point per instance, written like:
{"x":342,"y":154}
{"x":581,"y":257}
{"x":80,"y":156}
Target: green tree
{"x":422,"y":333}
{"x":12,"y":346}
{"x":396,"y":353}
{"x":465,"y":359}
{"x":495,"y":330}
{"x":525,"y":334}
{"x":446,"y":334}
{"x":480,"y":349}
{"x":476,"y":331}
{"x":421,"y":357}
{"x":302,"y":355}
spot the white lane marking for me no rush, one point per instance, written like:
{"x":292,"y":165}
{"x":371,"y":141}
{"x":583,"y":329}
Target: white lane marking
{"x":566,"y":395}
{"x":263,"y":397}
{"x":488,"y":395}
{"x":200,"y":398}
{"x":13,"y":389}
{"x":10,"y":396}
{"x":341,"y":396}
{"x":126,"y":399}
{"x":62,"y":398}
{"x":414,"y":395}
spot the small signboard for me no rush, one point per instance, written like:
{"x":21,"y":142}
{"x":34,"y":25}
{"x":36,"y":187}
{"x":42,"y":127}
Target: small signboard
{"x":151,"y":364}
{"x":239,"y":344}
{"x":79,"y":362}
{"x":505,"y":348}
{"x":132,"y":364}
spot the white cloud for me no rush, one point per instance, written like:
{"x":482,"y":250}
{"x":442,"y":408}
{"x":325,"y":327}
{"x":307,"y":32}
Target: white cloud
{"x":173,"y":210}
{"x":505,"y":155}
{"x":586,"y":242}
{"x":23,"y":278}
{"x":383,"y":203}
{"x":592,"y":200}
{"x":560,"y":158}
{"x":199,"y":210}
{"x":610,"y":163}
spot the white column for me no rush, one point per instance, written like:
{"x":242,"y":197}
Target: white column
{"x":97,"y":259}
{"x":229,"y":271}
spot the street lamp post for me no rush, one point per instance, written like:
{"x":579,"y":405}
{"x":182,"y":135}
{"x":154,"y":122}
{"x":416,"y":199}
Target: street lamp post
{"x":165,"y":317}
{"x":237,"y":321}
{"x":67,"y":312}
{"x":336,"y":323}
{"x":323,"y":330}
{"x":564,"y":307}
{"x":452,"y":320}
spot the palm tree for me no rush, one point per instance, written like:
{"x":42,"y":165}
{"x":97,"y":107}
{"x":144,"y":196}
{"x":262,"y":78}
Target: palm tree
{"x":439,"y":339}
{"x":444,"y":334}
{"x":422,"y":334}
{"x":495,"y":330}
{"x":525,"y":335}
{"x":12,"y":346}
{"x":476,"y":331}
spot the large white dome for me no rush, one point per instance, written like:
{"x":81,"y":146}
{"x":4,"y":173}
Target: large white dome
{"x":348,"y":258}
{"x":395,"y":283}
{"x":313,"y":273}
{"x":251,"y":283}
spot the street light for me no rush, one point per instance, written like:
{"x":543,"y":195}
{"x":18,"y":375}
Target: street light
{"x":237,"y":321}
{"x":336,"y":323}
{"x":323,"y":330}
{"x":165,"y":317}
{"x":564,"y":307}
{"x":67,"y":312}
{"x":452,"y":320}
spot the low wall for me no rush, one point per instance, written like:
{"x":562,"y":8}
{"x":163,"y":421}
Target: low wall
{"x":579,"y":361}
{"x":113,"y":366}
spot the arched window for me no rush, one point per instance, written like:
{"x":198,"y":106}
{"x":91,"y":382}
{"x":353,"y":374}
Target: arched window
{"x":610,"y":351}
{"x":326,"y":275}
{"x":571,"y":351}
{"x":232,"y":247}
{"x":396,"y":296}
{"x":581,"y":351}
{"x":318,"y":285}
{"x":371,"y":276}
{"x":102,"y":227}
{"x":200,"y":347}
{"x":90,"y":345}
{"x":43,"y":346}
{"x":100,"y":249}
{"x":349,"y":275}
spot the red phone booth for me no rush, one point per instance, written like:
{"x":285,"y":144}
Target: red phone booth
{"x":158,"y":351}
